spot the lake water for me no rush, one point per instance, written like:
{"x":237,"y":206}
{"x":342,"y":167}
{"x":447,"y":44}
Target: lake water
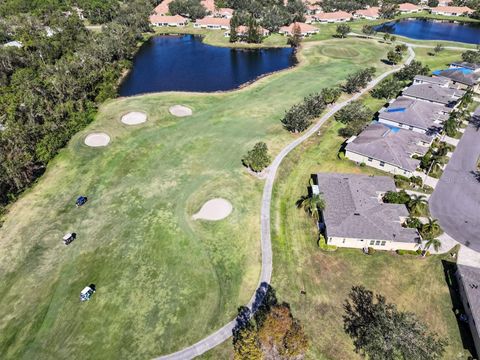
{"x":433,"y":30}
{"x":185,"y":63}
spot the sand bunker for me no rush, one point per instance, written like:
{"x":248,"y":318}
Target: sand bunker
{"x":214,"y":210}
{"x":134,"y":118}
{"x":97,"y":139}
{"x":180,"y":111}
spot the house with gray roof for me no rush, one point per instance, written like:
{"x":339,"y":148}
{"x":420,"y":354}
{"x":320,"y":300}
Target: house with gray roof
{"x":468,"y":279}
{"x":434,"y":94}
{"x":421,"y":79}
{"x":465,"y":65}
{"x":355,"y":215}
{"x":463,"y":79}
{"x":388,"y":148}
{"x":415,"y":115}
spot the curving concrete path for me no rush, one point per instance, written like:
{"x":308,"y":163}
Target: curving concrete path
{"x":225,"y":332}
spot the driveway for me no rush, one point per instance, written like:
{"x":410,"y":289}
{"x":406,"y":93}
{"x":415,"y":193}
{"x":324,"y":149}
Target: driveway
{"x":456,"y":199}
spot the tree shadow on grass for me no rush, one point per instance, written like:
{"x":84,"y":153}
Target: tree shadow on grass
{"x":449,"y":269}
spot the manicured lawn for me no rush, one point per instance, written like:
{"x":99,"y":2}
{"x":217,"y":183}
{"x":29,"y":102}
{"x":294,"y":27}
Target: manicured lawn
{"x":440,"y":61}
{"x":163,"y":280}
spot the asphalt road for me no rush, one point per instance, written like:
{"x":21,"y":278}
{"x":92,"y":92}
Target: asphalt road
{"x":456,"y":199}
{"x":225,"y":332}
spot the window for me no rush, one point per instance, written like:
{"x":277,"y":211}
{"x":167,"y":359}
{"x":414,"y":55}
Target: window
{"x":372,"y":242}
{"x":382,"y":163}
{"x":410,"y":128}
{"x":370,"y":159}
{"x":383,"y":243}
{"x":377,"y":242}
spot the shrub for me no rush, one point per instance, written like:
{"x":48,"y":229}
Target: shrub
{"x":394,"y":197}
{"x":296,"y":119}
{"x":371,"y":251}
{"x":407,"y":252}
{"x":417,"y":180}
{"x":413,"y":223}
{"x":322,"y":244}
{"x":257,"y":159}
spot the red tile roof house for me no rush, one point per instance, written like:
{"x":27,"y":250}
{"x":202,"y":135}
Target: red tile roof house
{"x":333,"y":17}
{"x":164,"y":20}
{"x":162,"y":8}
{"x":224,"y":13}
{"x":305,"y":29}
{"x":408,"y":8}
{"x":209,"y":5}
{"x":242,"y":31}
{"x":370,"y":13}
{"x":213,"y":23}
{"x":451,"y":10}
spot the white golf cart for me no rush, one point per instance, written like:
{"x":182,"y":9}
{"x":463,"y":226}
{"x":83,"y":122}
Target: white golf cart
{"x":87,"y":292}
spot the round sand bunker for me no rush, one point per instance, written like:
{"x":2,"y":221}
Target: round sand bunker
{"x":180,"y":111}
{"x":214,"y":210}
{"x":134,"y":118}
{"x":97,"y":140}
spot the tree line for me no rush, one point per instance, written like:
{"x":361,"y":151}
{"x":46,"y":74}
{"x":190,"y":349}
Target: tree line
{"x":50,"y":88}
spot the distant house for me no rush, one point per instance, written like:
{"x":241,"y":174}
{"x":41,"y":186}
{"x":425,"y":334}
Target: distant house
{"x":333,"y":17}
{"x":421,"y":79}
{"x":14,"y":43}
{"x":468,"y":279}
{"x":242,"y":31}
{"x":434,"y":94}
{"x":371,"y":13}
{"x":162,"y":8}
{"x":388,"y":149}
{"x":461,"y":78}
{"x":356,"y":217}
{"x":409,"y":8}
{"x":209,"y":5}
{"x":415,"y":115}
{"x":213,"y":23}
{"x":226,"y":13}
{"x":305,"y":29}
{"x":465,"y":65}
{"x":451,"y":10}
{"x":165,"y":20}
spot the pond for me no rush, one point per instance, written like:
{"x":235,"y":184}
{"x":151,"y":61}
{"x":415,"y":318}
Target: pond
{"x":185,"y":63}
{"x":422,"y":29}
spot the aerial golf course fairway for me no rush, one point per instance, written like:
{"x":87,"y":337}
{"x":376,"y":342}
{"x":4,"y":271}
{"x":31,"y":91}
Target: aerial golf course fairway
{"x":164,"y":280}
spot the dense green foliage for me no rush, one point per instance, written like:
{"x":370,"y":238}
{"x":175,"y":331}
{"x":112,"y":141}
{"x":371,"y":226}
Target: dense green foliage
{"x":388,"y":89}
{"x":191,"y":8}
{"x":394,"y":197}
{"x":343,"y":30}
{"x":381,"y":331}
{"x":359,"y":80}
{"x":50,"y":88}
{"x":347,"y":5}
{"x":408,"y":72}
{"x":471,"y":56}
{"x":355,"y":116}
{"x":258,"y":158}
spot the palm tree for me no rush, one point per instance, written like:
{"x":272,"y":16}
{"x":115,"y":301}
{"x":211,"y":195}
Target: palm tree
{"x":432,"y":242}
{"x":416,"y":203}
{"x":312,"y":204}
{"x":431,"y":229}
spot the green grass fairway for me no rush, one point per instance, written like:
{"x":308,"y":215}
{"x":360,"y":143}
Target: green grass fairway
{"x":163,"y":280}
{"x":414,"y":284}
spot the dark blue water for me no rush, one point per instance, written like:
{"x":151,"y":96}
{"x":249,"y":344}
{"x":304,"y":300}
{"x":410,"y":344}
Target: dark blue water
{"x":433,"y":30}
{"x":185,"y":63}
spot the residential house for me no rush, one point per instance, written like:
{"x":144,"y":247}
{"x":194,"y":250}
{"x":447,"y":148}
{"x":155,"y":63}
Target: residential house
{"x":165,"y":20}
{"x":434,"y":94}
{"x":466,"y":65}
{"x":451,"y":10}
{"x":439,"y":81}
{"x":388,"y":148}
{"x":13,"y":43}
{"x":415,"y":115}
{"x":461,"y":78}
{"x":468,"y":279}
{"x":209,"y":5}
{"x":213,"y":23}
{"x":304,"y":29}
{"x":162,"y":8}
{"x":408,"y":8}
{"x":369,"y":14}
{"x":333,"y":17}
{"x":356,"y":217}
{"x":226,"y":13}
{"x":242,"y":31}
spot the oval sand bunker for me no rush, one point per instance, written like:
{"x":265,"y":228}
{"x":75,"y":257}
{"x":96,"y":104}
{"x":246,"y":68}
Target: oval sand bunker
{"x":214,"y":210}
{"x":97,"y":139}
{"x":180,"y":111}
{"x":134,"y":118}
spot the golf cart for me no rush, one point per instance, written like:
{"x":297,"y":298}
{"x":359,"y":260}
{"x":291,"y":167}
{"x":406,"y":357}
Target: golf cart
{"x":69,"y":237}
{"x":81,"y":201}
{"x":87,"y":292}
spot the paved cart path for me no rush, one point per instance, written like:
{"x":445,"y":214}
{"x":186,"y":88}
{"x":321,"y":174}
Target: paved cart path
{"x":225,"y":332}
